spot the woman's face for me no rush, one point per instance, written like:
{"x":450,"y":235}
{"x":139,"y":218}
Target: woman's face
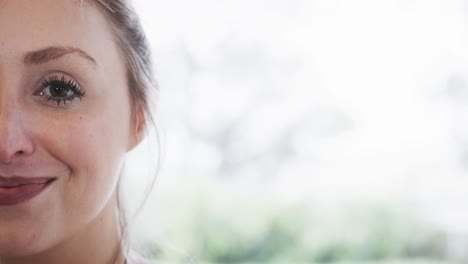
{"x":65,"y":121}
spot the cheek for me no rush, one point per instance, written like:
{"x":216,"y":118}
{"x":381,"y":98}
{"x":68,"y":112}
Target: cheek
{"x":87,"y":150}
{"x":92,"y":146}
{"x":94,"y":152}
{"x":93,"y":156}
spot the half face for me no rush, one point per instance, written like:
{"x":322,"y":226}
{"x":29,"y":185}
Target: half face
{"x":65,"y":118}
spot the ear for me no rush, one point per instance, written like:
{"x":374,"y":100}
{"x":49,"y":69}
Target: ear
{"x":137,"y":128}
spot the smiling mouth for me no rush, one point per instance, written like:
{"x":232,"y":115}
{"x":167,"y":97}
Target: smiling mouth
{"x":16,"y":190}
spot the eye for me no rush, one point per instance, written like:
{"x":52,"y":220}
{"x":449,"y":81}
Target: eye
{"x":60,"y":90}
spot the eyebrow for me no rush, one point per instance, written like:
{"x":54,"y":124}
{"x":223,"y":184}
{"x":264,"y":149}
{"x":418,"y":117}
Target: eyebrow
{"x":52,"y":53}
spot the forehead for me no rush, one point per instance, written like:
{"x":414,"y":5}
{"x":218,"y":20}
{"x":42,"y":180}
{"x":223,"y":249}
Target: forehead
{"x":27,"y":25}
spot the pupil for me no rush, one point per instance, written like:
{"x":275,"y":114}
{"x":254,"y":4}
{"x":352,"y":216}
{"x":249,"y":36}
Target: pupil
{"x":58,"y":91}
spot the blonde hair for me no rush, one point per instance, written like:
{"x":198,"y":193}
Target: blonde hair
{"x":134,"y":46}
{"x":131,"y":39}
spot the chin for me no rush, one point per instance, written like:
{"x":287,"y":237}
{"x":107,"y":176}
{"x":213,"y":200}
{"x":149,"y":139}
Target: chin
{"x":20,"y":244}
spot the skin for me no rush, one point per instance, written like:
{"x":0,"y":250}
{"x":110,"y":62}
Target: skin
{"x":82,"y":143}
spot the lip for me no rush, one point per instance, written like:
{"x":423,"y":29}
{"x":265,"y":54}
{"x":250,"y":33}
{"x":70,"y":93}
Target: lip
{"x":15,"y":190}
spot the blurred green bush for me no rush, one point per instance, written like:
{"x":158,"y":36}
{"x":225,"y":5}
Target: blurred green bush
{"x":247,"y":230}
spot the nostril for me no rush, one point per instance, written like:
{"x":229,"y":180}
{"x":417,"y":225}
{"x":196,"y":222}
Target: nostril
{"x":14,"y":141}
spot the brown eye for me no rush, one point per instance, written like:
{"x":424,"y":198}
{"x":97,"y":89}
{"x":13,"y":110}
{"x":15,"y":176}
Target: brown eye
{"x":60,"y":90}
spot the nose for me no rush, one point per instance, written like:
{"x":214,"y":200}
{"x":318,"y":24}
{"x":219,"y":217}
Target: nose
{"x":14,"y":140}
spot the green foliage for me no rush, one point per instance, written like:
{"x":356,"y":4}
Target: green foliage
{"x":242,"y":230}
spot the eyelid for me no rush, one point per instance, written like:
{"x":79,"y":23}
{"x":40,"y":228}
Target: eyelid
{"x":59,"y":73}
{"x":62,"y":79}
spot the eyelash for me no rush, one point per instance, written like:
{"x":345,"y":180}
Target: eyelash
{"x":68,"y":85}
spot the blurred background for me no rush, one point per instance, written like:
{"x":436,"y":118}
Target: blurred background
{"x":306,"y":131}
